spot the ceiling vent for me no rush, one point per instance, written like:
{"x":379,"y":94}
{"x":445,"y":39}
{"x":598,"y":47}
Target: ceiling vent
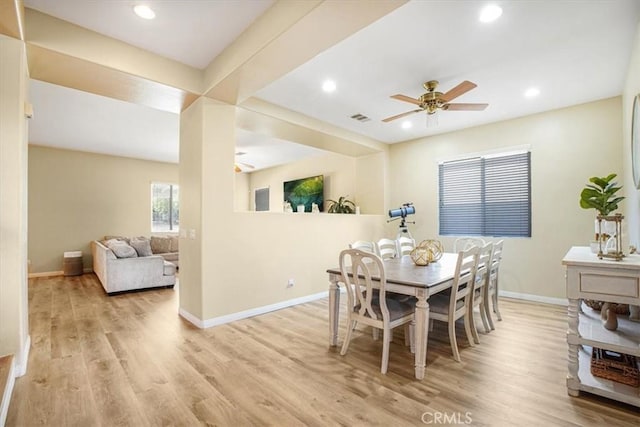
{"x":360,"y":117}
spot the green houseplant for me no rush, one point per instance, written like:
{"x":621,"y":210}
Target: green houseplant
{"x":342,"y":205}
{"x":601,"y":195}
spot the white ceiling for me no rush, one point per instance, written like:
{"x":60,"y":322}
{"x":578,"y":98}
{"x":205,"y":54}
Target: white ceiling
{"x":573,"y":51}
{"x":189,"y":31}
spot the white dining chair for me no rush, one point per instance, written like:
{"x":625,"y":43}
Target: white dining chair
{"x":456,"y":305}
{"x":480,"y":287}
{"x":491,"y":294}
{"x":363,"y":245}
{"x":367,"y":307}
{"x":405,"y":245}
{"x":464,"y":243}
{"x":386,"y":248}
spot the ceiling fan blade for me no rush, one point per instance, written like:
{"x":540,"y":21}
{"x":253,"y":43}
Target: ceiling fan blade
{"x":461,"y":89}
{"x":246,"y":165}
{"x":406,"y":99}
{"x":464,"y":107}
{"x":388,"y":119}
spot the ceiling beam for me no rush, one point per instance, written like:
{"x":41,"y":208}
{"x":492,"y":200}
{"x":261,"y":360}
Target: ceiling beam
{"x":286,"y":36}
{"x":66,"y":54}
{"x":12,"y":18}
{"x":264,"y":118}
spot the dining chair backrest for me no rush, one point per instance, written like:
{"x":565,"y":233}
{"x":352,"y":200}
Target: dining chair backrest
{"x":358,"y":268}
{"x":363,"y":245}
{"x":386,"y":248}
{"x":481,"y":289}
{"x":405,"y":245}
{"x":496,"y":258}
{"x":463,"y":280}
{"x":464,"y":243}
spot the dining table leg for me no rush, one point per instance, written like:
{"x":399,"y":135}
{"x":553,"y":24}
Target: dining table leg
{"x":334,"y":312}
{"x":421,"y":335}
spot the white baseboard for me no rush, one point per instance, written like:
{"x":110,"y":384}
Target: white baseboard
{"x":535,"y":298}
{"x":21,"y":365}
{"x":6,"y":394}
{"x":208,"y":323}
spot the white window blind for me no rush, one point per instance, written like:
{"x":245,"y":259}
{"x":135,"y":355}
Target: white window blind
{"x":486,"y":196}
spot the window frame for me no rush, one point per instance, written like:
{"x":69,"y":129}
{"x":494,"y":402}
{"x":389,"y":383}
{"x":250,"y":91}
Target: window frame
{"x":173,"y":228}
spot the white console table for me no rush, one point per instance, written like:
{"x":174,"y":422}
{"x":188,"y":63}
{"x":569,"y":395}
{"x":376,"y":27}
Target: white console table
{"x":605,"y":280}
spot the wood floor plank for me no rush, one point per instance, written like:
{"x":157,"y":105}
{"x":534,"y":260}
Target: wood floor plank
{"x":130,"y":359}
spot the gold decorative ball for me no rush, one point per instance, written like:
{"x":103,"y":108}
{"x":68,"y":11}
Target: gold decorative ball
{"x":426,"y":252}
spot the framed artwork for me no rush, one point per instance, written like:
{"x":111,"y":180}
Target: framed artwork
{"x":305,"y":192}
{"x":635,"y":141}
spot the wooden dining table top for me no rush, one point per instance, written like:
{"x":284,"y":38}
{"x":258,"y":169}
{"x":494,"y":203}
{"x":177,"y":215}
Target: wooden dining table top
{"x":403,"y":271}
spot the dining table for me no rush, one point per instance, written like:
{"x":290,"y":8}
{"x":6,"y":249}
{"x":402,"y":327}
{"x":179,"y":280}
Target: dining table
{"x":403,"y":276}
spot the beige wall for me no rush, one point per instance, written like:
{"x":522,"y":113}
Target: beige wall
{"x":247,"y":258}
{"x":76,"y":197}
{"x":631,"y":205}
{"x":567,"y":147}
{"x":14,"y":318}
{"x":339,"y":178}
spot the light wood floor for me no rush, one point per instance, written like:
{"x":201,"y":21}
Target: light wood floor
{"x":131,"y":360}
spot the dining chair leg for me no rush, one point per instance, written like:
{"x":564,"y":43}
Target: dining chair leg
{"x":407,"y":334}
{"x":487,"y":311}
{"x":386,"y":340}
{"x":495,"y":305}
{"x":473,"y":325}
{"x":453,"y":341}
{"x":483,"y":316}
{"x":412,"y":336}
{"x":470,"y":329}
{"x":347,"y":339}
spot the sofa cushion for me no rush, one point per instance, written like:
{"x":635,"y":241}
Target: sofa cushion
{"x":142,"y":245}
{"x":160,"y":244}
{"x":121,"y":249}
{"x":174,"y":243}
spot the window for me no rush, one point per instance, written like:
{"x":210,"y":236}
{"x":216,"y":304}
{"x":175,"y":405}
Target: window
{"x":486,"y":196}
{"x":165,"y":208}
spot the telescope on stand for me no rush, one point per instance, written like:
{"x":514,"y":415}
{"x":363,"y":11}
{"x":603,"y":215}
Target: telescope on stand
{"x":402,"y":213}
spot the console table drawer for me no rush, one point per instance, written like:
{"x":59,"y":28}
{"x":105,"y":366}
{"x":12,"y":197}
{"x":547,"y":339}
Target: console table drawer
{"x":625,"y":286}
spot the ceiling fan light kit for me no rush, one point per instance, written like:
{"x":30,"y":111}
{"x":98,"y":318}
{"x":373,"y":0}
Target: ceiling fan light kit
{"x":432,"y":101}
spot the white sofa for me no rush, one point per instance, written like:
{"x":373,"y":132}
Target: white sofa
{"x":126,"y":274}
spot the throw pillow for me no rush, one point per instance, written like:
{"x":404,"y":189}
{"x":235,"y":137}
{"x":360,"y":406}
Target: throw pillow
{"x":142,"y":245}
{"x":124,"y":239}
{"x":121,"y":249}
{"x":160,"y":245}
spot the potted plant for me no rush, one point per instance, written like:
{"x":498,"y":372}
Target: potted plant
{"x":601,"y":196}
{"x":342,"y":205}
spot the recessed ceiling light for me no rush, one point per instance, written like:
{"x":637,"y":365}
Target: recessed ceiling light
{"x":531,"y":92}
{"x":490,"y":13}
{"x":329,"y":86}
{"x":144,"y":11}
{"x":406,"y":124}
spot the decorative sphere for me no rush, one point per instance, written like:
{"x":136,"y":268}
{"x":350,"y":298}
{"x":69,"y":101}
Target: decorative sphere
{"x":426,"y":252}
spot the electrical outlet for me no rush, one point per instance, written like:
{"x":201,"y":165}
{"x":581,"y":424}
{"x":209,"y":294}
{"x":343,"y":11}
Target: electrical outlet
{"x":290,"y":283}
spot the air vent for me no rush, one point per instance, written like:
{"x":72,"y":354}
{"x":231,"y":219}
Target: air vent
{"x":240,"y":153}
{"x":360,"y":117}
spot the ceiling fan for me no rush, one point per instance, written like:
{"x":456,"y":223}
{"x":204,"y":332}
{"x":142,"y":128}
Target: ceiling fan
{"x":239,"y":166}
{"x":432,"y":101}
